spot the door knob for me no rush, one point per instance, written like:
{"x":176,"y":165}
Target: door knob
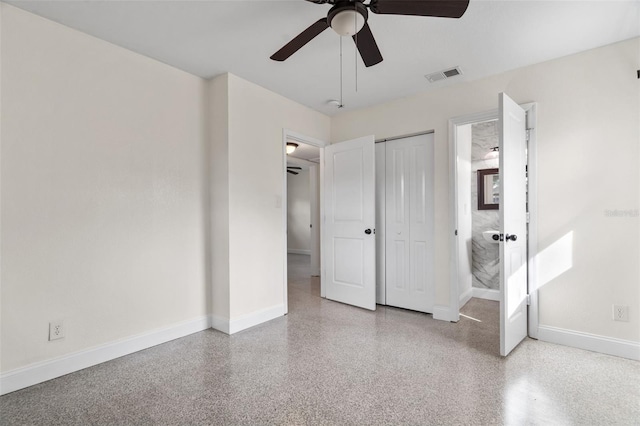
{"x":367,"y":231}
{"x":511,"y":237}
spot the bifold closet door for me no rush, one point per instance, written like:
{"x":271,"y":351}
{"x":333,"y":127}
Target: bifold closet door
{"x":409,"y":223}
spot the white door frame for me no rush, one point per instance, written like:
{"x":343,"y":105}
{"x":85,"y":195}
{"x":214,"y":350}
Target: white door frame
{"x":290,"y":135}
{"x":532,"y":243}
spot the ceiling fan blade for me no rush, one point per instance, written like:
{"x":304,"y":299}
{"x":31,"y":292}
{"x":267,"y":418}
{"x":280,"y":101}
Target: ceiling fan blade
{"x":300,"y":40}
{"x":439,"y":8}
{"x":293,"y":173}
{"x":294,"y":168}
{"x":367,"y":46}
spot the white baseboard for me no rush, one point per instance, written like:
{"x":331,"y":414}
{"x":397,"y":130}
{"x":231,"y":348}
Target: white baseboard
{"x":590,"y":342}
{"x":46,"y":370}
{"x":254,"y":318}
{"x":465,"y":297}
{"x":299,"y":251}
{"x":486,"y":293}
{"x":443,"y":313}
{"x":220,"y":324}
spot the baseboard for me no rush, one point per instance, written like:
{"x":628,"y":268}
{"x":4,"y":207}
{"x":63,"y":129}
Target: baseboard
{"x":486,"y":293}
{"x":220,"y":324}
{"x":299,"y":251}
{"x":250,"y":320}
{"x":465,"y":297}
{"x":590,"y":342}
{"x":443,"y":313}
{"x":46,"y":370}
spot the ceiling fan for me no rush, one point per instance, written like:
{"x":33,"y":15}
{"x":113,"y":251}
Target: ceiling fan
{"x":349,"y":18}
{"x":290,"y":169}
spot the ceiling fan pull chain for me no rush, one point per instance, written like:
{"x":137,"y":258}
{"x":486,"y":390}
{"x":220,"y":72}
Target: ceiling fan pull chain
{"x":340,"y":70}
{"x":355,"y":53}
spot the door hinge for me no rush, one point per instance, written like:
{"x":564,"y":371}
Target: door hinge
{"x":528,"y":300}
{"x":528,"y":134}
{"x":528,"y":217}
{"x":456,"y":232}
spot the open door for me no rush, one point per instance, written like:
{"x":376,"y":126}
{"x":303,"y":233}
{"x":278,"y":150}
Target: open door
{"x":513,"y":224}
{"x":349,"y":214}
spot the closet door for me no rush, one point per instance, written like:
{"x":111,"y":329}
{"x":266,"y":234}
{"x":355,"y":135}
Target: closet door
{"x":409,"y":223}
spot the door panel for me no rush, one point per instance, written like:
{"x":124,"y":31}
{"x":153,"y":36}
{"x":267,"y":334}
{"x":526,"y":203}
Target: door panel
{"x":349,"y":210}
{"x":513,"y":222}
{"x":409,"y":223}
{"x":380,"y":224}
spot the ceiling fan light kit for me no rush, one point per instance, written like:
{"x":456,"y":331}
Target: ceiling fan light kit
{"x":291,"y":146}
{"x":349,"y":18}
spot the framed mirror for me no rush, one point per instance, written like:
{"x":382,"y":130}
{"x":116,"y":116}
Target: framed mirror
{"x":488,"y":189}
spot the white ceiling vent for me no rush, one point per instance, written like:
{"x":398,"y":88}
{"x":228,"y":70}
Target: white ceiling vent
{"x":442,"y":75}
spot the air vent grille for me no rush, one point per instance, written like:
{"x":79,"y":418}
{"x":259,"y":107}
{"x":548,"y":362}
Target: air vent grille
{"x":451,"y":73}
{"x":442,"y":75}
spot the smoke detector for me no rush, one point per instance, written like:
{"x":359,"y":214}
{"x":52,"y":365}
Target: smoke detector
{"x":443,"y":75}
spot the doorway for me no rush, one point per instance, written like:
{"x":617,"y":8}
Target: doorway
{"x":463,"y":172}
{"x":302,"y":172}
{"x":405,"y":222}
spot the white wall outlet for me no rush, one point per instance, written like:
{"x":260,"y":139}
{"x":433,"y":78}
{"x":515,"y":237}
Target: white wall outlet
{"x":56,"y":330}
{"x":620,"y":313}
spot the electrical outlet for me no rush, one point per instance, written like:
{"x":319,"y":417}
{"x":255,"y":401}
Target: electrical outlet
{"x":56,"y":330}
{"x":620,"y":313}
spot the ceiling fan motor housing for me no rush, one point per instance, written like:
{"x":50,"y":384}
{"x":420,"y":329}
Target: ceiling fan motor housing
{"x":341,"y":17}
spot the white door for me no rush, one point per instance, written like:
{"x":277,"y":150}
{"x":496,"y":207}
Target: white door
{"x":349,"y":228}
{"x":381,"y":153}
{"x":513,"y":224}
{"x":409,"y":223}
{"x":314,"y":201}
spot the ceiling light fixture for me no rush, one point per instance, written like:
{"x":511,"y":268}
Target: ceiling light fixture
{"x":291,"y":146}
{"x":348,"y":19}
{"x":494,"y":153}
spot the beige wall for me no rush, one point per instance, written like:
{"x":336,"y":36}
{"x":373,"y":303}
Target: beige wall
{"x":589,"y":162}
{"x":257,"y":118}
{"x":102,"y":191}
{"x":298,"y":211}
{"x":247,"y":166}
{"x":218,"y":115}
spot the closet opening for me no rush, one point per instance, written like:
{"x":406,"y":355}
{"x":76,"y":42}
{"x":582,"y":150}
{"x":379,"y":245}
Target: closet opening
{"x":405,"y":248}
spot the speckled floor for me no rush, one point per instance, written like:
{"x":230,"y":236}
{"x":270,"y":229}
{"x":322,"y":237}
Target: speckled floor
{"x":328,"y":363}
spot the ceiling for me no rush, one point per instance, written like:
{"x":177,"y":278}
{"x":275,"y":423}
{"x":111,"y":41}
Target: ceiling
{"x":208,"y":38}
{"x":304,"y":156}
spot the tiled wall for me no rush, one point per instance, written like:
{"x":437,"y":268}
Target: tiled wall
{"x":485,"y":255}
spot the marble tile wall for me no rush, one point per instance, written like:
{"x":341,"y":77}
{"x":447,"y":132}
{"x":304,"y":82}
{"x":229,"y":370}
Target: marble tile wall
{"x":485,"y":255}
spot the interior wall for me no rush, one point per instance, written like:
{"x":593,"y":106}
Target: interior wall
{"x":257,"y":118}
{"x":103,"y":191}
{"x":298,"y":212}
{"x":588,"y":177}
{"x":218,"y":116}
